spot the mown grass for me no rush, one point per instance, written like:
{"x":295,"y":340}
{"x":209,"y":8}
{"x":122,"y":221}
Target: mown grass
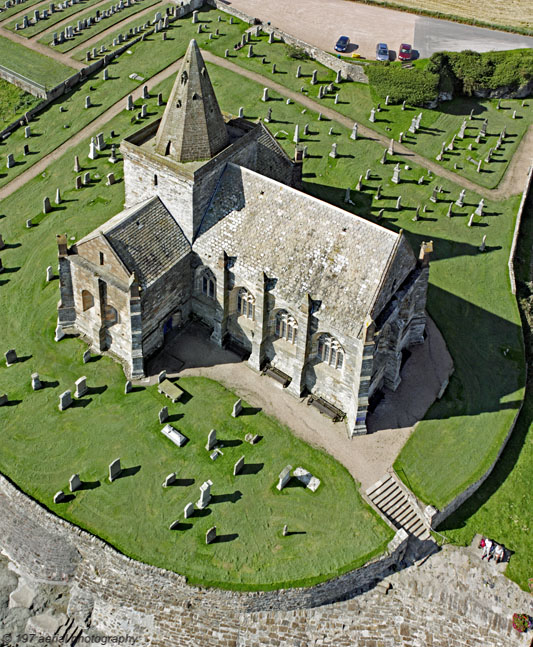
{"x":14,"y":102}
{"x":32,"y":65}
{"x":6,"y":13}
{"x":58,"y":16}
{"x":98,"y":27}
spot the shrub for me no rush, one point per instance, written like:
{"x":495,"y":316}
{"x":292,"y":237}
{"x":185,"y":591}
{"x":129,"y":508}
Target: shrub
{"x":293,"y":51}
{"x":413,"y":85}
{"x":520,"y":622}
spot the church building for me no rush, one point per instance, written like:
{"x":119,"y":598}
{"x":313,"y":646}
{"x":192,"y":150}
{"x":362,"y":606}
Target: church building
{"x":215,"y":228}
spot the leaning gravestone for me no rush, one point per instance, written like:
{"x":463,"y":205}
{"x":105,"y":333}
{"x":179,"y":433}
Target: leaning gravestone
{"x":3,"y":399}
{"x":59,"y":497}
{"x":114,"y":469}
{"x":86,"y":356}
{"x":188,"y":511}
{"x":284,"y":477}
{"x":170,"y":479}
{"x":237,"y":408}
{"x":237,"y":468}
{"x":211,"y":535}
{"x":163,"y":415}
{"x":11,"y":357}
{"x":65,"y":400}
{"x":127,"y":387}
{"x":36,"y":382}
{"x":211,"y":440}
{"x":74,"y":482}
{"x":174,"y":525}
{"x":81,"y":387}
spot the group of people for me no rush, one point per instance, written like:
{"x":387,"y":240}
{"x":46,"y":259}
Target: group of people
{"x":491,"y":549}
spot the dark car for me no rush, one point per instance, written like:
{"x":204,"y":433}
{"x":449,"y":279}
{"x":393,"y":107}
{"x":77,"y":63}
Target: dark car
{"x":382,"y":52}
{"x":342,"y":44}
{"x":405,"y":52}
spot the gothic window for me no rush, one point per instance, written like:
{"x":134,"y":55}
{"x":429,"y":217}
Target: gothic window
{"x":110,"y":315}
{"x":246,"y":304}
{"x":330,"y":351}
{"x":208,"y":285}
{"x":87,"y":300}
{"x":101,"y":258}
{"x":286,"y":326}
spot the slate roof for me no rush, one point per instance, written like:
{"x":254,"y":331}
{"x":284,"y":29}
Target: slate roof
{"x":147,"y":240}
{"x":310,"y":246}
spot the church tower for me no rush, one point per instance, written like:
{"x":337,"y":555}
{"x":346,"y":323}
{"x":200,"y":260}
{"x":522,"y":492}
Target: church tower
{"x":192,"y":128}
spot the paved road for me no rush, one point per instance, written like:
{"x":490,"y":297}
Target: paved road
{"x":321,"y":22}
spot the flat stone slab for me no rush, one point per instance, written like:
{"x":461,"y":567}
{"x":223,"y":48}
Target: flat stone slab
{"x":174,"y":435}
{"x":172,"y":391}
{"x":22,"y":597}
{"x":45,"y":624}
{"x":311,"y":482}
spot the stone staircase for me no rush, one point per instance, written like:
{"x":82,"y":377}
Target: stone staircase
{"x":389,"y":497}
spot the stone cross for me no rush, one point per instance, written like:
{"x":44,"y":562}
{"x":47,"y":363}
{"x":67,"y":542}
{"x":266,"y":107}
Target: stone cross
{"x":284,"y":477}
{"x":333,"y":152}
{"x":211,"y":440}
{"x":114,"y":470}
{"x":188,"y":511}
{"x":211,"y":535}
{"x":460,"y":200}
{"x":65,"y":400}
{"x":163,"y":415}
{"x":237,"y":468}
{"x":36,"y":382}
{"x":74,"y":482}
{"x":237,"y":408}
{"x":354,"y":132}
{"x":170,"y":479}
{"x":205,"y":495}
{"x":372,"y":117}
{"x":11,"y":357}
{"x":265,"y":95}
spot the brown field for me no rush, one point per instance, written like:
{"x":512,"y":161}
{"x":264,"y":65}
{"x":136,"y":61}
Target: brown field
{"x":514,"y":13}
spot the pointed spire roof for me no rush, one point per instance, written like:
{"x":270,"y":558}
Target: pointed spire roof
{"x":192,"y":128}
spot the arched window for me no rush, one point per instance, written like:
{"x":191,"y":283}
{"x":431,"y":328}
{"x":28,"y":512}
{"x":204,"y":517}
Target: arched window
{"x":246,"y":304}
{"x":286,"y":326}
{"x":87,"y":300}
{"x":208,"y":284}
{"x":110,"y":315}
{"x":330,"y":351}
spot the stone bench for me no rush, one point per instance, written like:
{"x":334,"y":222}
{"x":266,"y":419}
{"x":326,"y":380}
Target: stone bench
{"x":171,"y":390}
{"x":277,"y":375}
{"x":326,"y":408}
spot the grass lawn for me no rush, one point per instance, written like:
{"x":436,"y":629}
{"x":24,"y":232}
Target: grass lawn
{"x":469,"y":298}
{"x":53,"y":19}
{"x":98,"y":27}
{"x":14,"y":102}
{"x":33,"y":65}
{"x":17,"y":8}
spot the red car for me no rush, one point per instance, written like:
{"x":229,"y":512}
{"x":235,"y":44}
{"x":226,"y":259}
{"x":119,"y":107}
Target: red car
{"x":405,"y":52}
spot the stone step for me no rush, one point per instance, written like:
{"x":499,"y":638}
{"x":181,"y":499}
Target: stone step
{"x":387,"y":496}
{"x":395,"y":505}
{"x":372,"y":490}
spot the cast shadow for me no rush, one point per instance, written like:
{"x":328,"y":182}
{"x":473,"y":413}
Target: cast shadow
{"x":295,"y":532}
{"x":249,"y":411}
{"x":251,"y":468}
{"x":174,"y":417}
{"x":89,"y":485}
{"x":222,"y":539}
{"x":80,"y":404}
{"x":49,"y":385}
{"x":294,"y":483}
{"x":226,"y":498}
{"x":202,"y":513}
{"x":234,"y":442}
{"x":183,"y":526}
{"x":96,"y":390}
{"x":128,"y":471}
{"x":182,"y":483}
{"x":12,"y":403}
{"x":67,"y":498}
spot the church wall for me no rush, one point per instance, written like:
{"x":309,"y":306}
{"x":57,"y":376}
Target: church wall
{"x":91,"y":250}
{"x":271,"y":163}
{"x":169,"y":296}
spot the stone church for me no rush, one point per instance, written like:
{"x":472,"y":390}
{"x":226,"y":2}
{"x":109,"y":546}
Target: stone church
{"x":216,"y":229}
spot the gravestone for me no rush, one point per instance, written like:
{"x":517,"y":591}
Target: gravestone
{"x":479,"y":208}
{"x":110,"y":179}
{"x":237,"y":408}
{"x":320,"y":92}
{"x":87,"y":102}
{"x":36,"y":382}
{"x":449,"y":213}
{"x":483,"y":244}
{"x":11,"y":357}
{"x":205,"y":495}
{"x":471,"y":220}
{"x":174,"y":525}
{"x":162,"y":376}
{"x":77,"y":167}
{"x":359,"y":186}
{"x":114,"y":469}
{"x":27,"y":132}
{"x":170,"y":479}
{"x":368,"y":174}
{"x":160,"y":99}
{"x":29,"y":223}
{"x":74,"y":482}
{"x":330,"y":132}
{"x":65,"y":400}
{"x":86,"y":356}
{"x":241,"y":112}
{"x":100,"y":142}
{"x":285,"y":530}
{"x":163,"y":415}
{"x":399,"y":203}
{"x":298,"y":71}
{"x":3,"y":399}
{"x":434,"y":195}
{"x":211,"y":440}
{"x":113,"y":158}
{"x":146,"y":94}
{"x":47,"y":207}
{"x":188,"y":511}
{"x":129,"y":103}
{"x":86,"y":178}
{"x":59,"y":497}
{"x":378,"y":192}
{"x":284,"y":477}
{"x":372,"y":117}
{"x":313,"y":77}
{"x":268,"y":118}
{"x":79,"y":182}
{"x":211,"y":535}
{"x":2,"y":244}
{"x":237,"y":468}
{"x":92,"y":151}
{"x":384,"y":157}
{"x":127,"y":387}
{"x":58,"y":196}
{"x":336,"y":100}
{"x":460,"y":200}
{"x":296,"y":136}
{"x":396,"y":174}
{"x":81,"y":387}
{"x":400,"y":138}
{"x":333,"y":152}
{"x":265,"y":95}
{"x":417,"y":214}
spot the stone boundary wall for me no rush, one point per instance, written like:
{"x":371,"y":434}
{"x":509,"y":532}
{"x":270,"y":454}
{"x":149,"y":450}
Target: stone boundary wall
{"x":34,"y":529}
{"x":518,"y":224}
{"x":22,"y":82}
{"x":350,"y":71}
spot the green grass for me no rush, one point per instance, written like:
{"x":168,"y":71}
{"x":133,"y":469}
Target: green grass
{"x":14,"y":102}
{"x":469,"y":298}
{"x":4,"y":15}
{"x":33,"y":65}
{"x":52,"y":19}
{"x":97,"y":28}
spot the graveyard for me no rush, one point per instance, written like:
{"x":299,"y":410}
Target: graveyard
{"x":390,"y":184}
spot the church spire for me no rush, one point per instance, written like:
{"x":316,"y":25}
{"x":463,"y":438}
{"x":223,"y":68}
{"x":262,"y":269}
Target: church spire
{"x":192,"y":128}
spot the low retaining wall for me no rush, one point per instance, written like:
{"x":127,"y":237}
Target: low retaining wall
{"x":22,"y":82}
{"x":350,"y":71}
{"x":518,"y":224}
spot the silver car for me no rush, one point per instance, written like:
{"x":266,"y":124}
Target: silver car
{"x":382,"y":52}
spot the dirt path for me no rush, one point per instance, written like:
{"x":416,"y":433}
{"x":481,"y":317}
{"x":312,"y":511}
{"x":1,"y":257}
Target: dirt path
{"x":95,"y":125}
{"x":118,"y":25}
{"x":517,"y":168}
{"x":41,"y":49}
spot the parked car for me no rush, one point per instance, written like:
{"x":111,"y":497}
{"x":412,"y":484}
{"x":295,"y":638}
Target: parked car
{"x":342,"y":44}
{"x":382,"y":52}
{"x":405,"y":52}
